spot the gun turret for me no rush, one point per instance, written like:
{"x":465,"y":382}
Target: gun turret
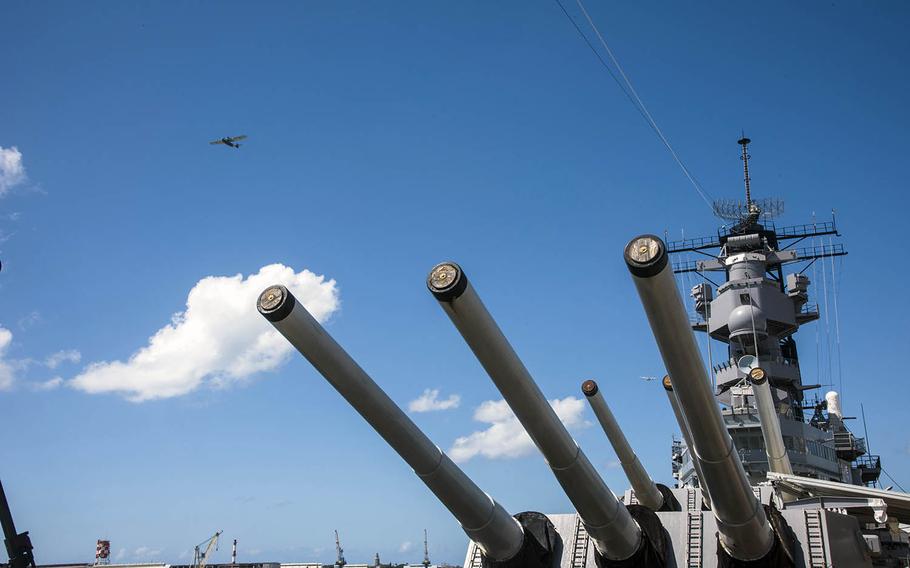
{"x":646,"y":491}
{"x":503,"y":539}
{"x":616,"y":534}
{"x":745,"y":532}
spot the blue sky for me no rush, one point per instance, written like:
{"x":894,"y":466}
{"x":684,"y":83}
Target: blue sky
{"x":384,"y":138}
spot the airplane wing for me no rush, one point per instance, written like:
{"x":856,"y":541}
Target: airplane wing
{"x":236,"y":138}
{"x":219,"y":141}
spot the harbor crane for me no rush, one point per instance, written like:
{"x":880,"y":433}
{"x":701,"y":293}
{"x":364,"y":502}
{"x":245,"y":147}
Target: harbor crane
{"x":202,"y":550}
{"x":339,"y":552}
{"x":18,"y":545}
{"x":426,"y":551}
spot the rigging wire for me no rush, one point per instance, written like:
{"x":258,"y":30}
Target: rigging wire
{"x":818,"y":352}
{"x":899,"y":486}
{"x":840,"y":372}
{"x":626,"y":86}
{"x":830,"y":375}
{"x":600,"y":58}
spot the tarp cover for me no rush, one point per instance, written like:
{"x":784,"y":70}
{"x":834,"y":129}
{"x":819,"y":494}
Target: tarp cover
{"x":541,"y":545}
{"x":655,"y":545}
{"x":780,"y":555}
{"x":670,"y":502}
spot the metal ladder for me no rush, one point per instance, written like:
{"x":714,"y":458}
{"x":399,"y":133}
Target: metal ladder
{"x":693,"y":544}
{"x":816,"y":538}
{"x":690,"y":501}
{"x":476,"y":557}
{"x":580,"y":545}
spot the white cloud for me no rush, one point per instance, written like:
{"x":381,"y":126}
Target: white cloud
{"x":121,"y":554}
{"x":12,"y":172}
{"x":7,"y":369}
{"x":30,"y":320}
{"x":406,"y":546}
{"x":506,"y":437}
{"x":220,"y":339}
{"x":429,"y":402}
{"x":49,"y":385}
{"x":12,"y":370}
{"x":67,"y":356}
{"x":146,"y":552}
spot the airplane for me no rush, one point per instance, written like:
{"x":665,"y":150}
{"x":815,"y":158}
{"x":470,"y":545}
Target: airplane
{"x":648,"y":379}
{"x":229,"y":141}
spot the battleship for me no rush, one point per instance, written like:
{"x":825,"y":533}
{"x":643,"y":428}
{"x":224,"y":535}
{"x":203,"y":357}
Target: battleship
{"x":760,"y":482}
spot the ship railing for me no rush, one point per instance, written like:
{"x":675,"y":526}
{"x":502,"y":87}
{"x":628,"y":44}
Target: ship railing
{"x":697,"y":243}
{"x":731,"y":230}
{"x":807,"y":230}
{"x":820,"y":251}
{"x":789,"y":362}
{"x":868,"y":462}
{"x":685,"y":266}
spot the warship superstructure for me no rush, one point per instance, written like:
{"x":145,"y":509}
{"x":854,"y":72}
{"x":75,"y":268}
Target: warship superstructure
{"x":748,"y":302}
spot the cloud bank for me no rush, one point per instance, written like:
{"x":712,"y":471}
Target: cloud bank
{"x":219,"y":340}
{"x":12,"y":172}
{"x":505,"y":437}
{"x":429,"y":402}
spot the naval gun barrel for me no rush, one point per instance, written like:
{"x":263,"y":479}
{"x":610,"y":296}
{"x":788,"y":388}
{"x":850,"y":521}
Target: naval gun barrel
{"x":684,"y":428}
{"x":484,"y":520}
{"x":615,"y":533}
{"x":645,"y":489}
{"x":778,"y":460}
{"x":744,"y":529}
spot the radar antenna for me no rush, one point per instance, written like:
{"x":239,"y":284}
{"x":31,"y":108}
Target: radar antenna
{"x":748,"y":212}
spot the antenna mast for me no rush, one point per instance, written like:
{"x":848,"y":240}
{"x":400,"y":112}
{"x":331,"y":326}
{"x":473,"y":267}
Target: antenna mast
{"x":744,"y":142}
{"x":745,"y":214}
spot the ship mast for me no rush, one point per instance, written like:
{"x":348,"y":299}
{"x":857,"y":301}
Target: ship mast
{"x":744,"y":142}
